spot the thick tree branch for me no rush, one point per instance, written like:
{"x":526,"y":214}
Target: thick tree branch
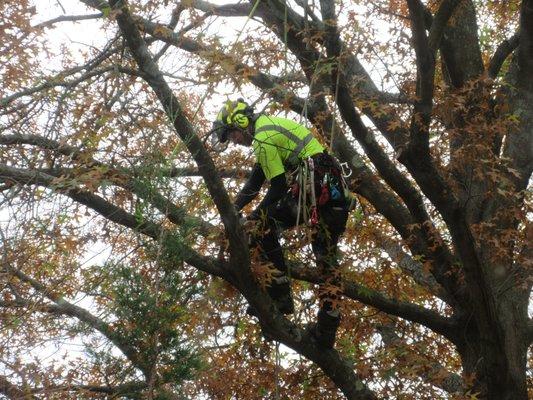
{"x":518,"y":145}
{"x":425,"y":62}
{"x":225,"y":10}
{"x":152,"y":75}
{"x":413,"y":268}
{"x":408,"y":311}
{"x":418,"y":161}
{"x":460,"y":45}
{"x":525,"y":48}
{"x":443,"y":14}
{"x":500,"y":55}
{"x":431,"y":372}
{"x":125,"y":389}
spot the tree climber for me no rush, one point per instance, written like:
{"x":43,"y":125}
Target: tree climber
{"x":315,"y":194}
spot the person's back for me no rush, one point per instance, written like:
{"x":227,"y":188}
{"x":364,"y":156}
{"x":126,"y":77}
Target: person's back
{"x":277,"y":139}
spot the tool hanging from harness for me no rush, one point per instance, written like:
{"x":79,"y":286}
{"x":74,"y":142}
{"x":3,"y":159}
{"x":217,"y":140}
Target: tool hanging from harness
{"x":316,"y":181}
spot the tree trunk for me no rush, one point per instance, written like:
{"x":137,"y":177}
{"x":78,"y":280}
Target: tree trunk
{"x":496,"y":359}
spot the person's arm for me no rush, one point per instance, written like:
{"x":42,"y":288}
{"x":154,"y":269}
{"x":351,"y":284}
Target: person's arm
{"x":251,"y":187}
{"x":278,"y":188}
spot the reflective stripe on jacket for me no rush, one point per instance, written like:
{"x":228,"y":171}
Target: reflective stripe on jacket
{"x":280,"y":143}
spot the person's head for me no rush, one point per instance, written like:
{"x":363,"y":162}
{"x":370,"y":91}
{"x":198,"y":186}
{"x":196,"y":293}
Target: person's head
{"x":233,"y":123}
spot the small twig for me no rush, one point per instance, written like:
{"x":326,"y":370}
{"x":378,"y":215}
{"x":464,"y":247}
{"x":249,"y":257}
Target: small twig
{"x":68,"y":18}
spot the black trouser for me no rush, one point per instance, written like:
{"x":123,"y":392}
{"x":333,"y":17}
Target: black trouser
{"x":331,"y":224}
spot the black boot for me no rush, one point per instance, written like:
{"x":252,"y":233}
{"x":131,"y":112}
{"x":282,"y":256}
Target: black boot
{"x":325,"y":329}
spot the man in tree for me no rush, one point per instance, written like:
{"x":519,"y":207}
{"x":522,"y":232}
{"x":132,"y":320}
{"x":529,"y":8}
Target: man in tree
{"x":282,"y":147}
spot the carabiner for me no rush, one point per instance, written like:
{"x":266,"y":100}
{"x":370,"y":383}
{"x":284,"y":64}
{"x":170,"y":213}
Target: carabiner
{"x":343,"y":166}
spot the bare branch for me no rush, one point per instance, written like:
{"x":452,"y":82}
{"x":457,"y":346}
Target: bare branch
{"x":52,"y":83}
{"x":226,"y":10}
{"x":120,"y":177}
{"x":67,"y":18}
{"x":231,"y":64}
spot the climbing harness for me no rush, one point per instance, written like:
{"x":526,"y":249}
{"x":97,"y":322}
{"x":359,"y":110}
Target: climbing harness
{"x":317,"y":181}
{"x":331,"y":173}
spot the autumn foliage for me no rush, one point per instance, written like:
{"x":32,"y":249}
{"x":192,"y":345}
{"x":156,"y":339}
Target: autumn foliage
{"x":124,"y":270}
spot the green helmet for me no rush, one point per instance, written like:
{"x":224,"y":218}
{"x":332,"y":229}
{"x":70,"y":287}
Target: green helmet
{"x":233,"y":115}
